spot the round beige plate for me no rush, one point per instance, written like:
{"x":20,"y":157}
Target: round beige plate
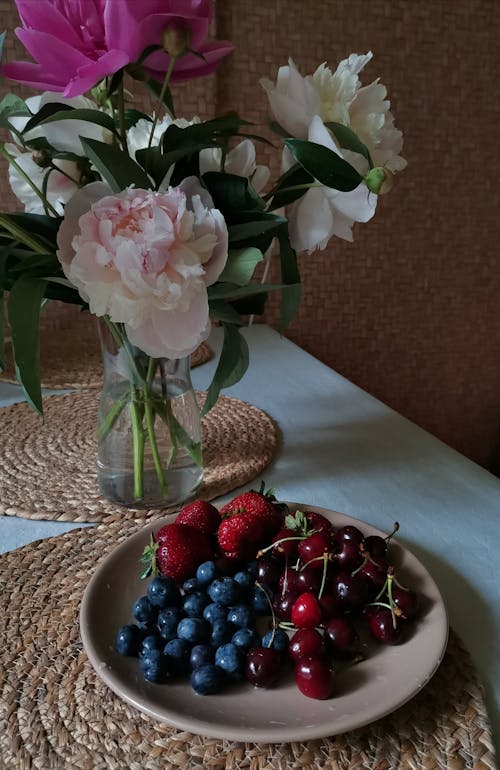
{"x":389,"y":676}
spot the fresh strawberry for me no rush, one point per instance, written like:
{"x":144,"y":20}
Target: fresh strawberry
{"x":177,"y":551}
{"x":239,"y":534}
{"x":261,"y":505}
{"x":200,"y":514}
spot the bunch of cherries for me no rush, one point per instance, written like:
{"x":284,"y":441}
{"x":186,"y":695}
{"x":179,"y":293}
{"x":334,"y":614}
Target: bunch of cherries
{"x":304,"y":600}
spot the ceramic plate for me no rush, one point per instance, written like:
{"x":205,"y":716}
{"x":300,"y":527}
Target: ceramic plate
{"x":389,"y":676}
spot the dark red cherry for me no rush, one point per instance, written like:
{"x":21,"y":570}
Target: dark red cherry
{"x":406,"y":600}
{"x":383,"y":627}
{"x":376,"y":546}
{"x":330,"y":607}
{"x":268,"y":571}
{"x":283,"y":604}
{"x":348,"y":533}
{"x":350,"y":589}
{"x":286,"y":543}
{"x":262,"y":666}
{"x":314,"y":677}
{"x":309,"y":580}
{"x":319,"y":523}
{"x":374,"y":574}
{"x":348,"y":557}
{"x":312,"y":550}
{"x":289,"y":581}
{"x":306,"y":642}
{"x":306,"y":612}
{"x":341,"y":638}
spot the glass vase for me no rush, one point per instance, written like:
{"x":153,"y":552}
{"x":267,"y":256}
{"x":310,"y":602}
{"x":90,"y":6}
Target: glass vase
{"x":149,"y":427}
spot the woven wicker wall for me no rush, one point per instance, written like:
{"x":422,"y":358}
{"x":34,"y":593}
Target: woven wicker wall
{"x":409,"y":310}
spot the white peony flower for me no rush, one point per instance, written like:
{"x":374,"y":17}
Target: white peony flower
{"x":324,"y":212}
{"x":240,"y":161}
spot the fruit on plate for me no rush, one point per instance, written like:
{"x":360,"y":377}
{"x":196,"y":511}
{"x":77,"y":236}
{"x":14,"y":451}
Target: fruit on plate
{"x":258,"y":590}
{"x":174,"y":551}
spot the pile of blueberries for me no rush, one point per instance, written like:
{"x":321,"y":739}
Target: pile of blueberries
{"x":204,"y":630}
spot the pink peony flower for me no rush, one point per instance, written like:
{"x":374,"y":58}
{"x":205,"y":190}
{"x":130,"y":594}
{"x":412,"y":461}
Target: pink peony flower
{"x":145,"y":259}
{"x":76,"y":44}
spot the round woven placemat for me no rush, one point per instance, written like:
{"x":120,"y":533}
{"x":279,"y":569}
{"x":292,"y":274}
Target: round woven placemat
{"x":48,"y":469}
{"x":56,"y":713}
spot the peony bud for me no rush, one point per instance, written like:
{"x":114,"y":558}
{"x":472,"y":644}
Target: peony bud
{"x":379,"y":180}
{"x":176,"y":40}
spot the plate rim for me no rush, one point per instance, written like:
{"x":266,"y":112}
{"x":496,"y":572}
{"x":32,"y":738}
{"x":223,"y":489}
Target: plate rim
{"x":274,"y":734}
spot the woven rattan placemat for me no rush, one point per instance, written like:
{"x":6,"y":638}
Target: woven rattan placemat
{"x":56,"y":713}
{"x":48,"y":469}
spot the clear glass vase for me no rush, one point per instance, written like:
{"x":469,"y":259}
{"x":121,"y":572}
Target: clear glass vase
{"x":149,"y":427}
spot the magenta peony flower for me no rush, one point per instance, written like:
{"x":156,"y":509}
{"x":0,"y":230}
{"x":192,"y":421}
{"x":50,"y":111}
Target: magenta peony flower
{"x":76,"y":43}
{"x":146,"y":259}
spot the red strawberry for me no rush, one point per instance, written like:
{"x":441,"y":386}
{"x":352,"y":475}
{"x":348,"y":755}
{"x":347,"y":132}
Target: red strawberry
{"x":176,"y":552}
{"x":257,"y":505}
{"x":238,"y":534}
{"x":200,"y":514}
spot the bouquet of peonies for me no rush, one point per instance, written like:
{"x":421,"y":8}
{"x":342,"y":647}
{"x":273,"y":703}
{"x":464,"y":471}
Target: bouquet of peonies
{"x":157,"y":223}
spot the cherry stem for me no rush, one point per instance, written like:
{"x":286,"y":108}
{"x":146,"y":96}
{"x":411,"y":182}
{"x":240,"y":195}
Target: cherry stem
{"x":323,"y":579}
{"x":273,"y":614}
{"x":390,"y":577}
{"x":365,"y":560}
{"x":277,"y":543}
{"x":395,"y":529}
{"x":285,"y":581}
{"x":316,"y":558}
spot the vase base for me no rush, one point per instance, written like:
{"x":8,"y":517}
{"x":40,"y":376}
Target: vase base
{"x":182,"y":485}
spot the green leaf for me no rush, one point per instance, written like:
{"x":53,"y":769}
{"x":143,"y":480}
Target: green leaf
{"x":324,"y":165}
{"x":223,"y":311}
{"x":11,"y":105}
{"x":247,"y":231}
{"x":153,"y":162}
{"x":134,"y":116}
{"x":24,"y":315}
{"x":232,"y":194}
{"x":296,"y":176}
{"x":45,"y":112}
{"x":155,"y":88}
{"x":86,"y":115}
{"x":2,"y":41}
{"x":290,"y":275}
{"x":231,"y":291}
{"x":115,"y":166}
{"x":349,"y":140}
{"x":233,"y":363}
{"x":278,"y":129}
{"x":193,"y":448}
{"x":240,"y":266}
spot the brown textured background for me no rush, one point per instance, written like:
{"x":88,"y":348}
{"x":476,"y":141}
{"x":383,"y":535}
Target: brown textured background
{"x":409,"y":310}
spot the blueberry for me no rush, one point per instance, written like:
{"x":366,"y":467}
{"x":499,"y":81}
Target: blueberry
{"x":260,"y":600}
{"x":245,"y":638}
{"x":245,"y":579}
{"x":190,"y":585}
{"x":229,"y":658}
{"x":128,"y":640}
{"x":200,"y":655}
{"x":206,"y":572}
{"x":241,"y":616}
{"x":177,"y":652}
{"x":168,"y":620}
{"x":154,"y":666}
{"x":150,"y":643}
{"x":277,"y":640}
{"x":225,"y":591}
{"x":195,"y":603}
{"x":163,"y":592}
{"x":194,"y":630}
{"x":143,"y":611}
{"x":221,"y":632}
{"x":214,"y":612}
{"x":207,"y":680}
